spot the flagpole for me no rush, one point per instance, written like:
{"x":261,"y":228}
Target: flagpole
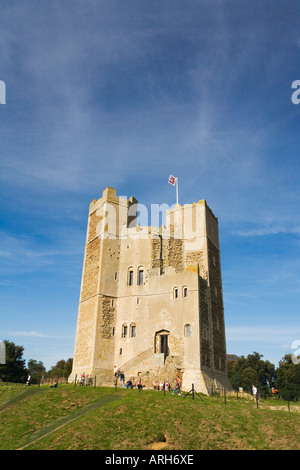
{"x":176,"y":190}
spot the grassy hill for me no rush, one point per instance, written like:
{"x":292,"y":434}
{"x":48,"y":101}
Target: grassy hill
{"x":77,"y":418}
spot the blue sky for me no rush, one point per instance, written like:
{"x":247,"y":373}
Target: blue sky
{"x":123,"y":94}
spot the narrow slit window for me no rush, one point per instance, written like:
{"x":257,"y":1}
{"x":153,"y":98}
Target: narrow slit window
{"x":133,"y":331}
{"x":140,"y":277}
{"x":187,"y":330}
{"x":130,"y":277}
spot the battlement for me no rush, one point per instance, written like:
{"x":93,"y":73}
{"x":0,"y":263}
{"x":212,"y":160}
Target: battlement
{"x":109,"y":195}
{"x":185,"y":207}
{"x":117,"y":218}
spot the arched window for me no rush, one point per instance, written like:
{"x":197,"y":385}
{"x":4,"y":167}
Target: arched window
{"x":130,"y":276}
{"x":184,"y":291}
{"x":140,"y":279}
{"x":175,"y":293}
{"x":124,"y":331}
{"x":133,"y":330}
{"x":187,"y":330}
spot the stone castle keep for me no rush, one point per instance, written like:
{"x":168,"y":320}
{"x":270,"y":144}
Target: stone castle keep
{"x":151,"y":298}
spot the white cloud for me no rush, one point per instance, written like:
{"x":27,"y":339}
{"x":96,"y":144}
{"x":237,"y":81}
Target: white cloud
{"x":36,"y":334}
{"x":269,"y":230}
{"x":277,"y":334}
{"x":32,"y":334}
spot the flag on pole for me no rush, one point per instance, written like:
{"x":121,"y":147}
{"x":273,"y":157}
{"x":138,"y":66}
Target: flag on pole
{"x":172,"y":180}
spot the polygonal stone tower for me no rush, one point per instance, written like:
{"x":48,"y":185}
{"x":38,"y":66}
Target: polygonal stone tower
{"x":151,"y":300}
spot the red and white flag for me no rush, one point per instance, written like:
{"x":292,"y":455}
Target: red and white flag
{"x":172,"y":180}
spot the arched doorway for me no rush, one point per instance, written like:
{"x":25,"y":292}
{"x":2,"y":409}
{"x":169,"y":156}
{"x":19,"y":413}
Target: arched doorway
{"x":161,"y":342}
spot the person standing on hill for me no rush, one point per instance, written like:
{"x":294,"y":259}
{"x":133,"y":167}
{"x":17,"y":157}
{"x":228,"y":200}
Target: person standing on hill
{"x":177,"y":387}
{"x":122,"y":378}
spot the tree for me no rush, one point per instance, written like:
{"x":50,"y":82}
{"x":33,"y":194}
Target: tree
{"x":288,"y":379}
{"x":14,"y":370}
{"x":36,"y":370}
{"x":61,"y":369}
{"x":249,"y":377}
{"x":252,"y":370}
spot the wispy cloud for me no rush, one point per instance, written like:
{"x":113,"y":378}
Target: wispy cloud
{"x":31,"y":334}
{"x":273,"y":342}
{"x":267,"y":333}
{"x":270,"y":230}
{"x":24,"y":254}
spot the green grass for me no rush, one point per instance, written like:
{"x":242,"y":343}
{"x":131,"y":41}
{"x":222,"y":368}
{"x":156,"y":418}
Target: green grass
{"x":77,"y":418}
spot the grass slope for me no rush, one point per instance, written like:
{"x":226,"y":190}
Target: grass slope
{"x":77,"y":418}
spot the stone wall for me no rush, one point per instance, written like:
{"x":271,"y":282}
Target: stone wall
{"x":167,"y":252}
{"x":90,"y":278}
{"x":217,"y":310}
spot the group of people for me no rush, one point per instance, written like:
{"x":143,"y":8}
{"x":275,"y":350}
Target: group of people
{"x":167,"y":386}
{"x":118,"y":374}
{"x":161,"y":386}
{"x":85,"y":379}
